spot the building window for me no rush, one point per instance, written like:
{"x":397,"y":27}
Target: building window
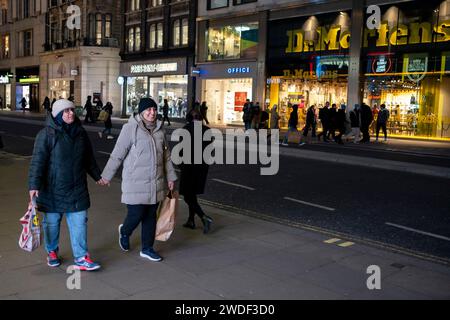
{"x":152,"y":37}
{"x":54,"y":32}
{"x":27,"y":37}
{"x":131,"y":40}
{"x":5,"y":47}
{"x":238,"y":2}
{"x":155,"y":3}
{"x":216,"y":4}
{"x":53,"y":3}
{"x":159,"y":35}
{"x":98,"y":28}
{"x":26,"y":8}
{"x":184,"y":32}
{"x":108,"y":19}
{"x":137,"y":41}
{"x":176,"y":33}
{"x":134,"y":5}
{"x":232,"y":42}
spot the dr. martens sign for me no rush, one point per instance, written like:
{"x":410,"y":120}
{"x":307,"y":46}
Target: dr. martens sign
{"x":333,"y":38}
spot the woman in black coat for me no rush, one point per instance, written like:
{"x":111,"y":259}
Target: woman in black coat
{"x":193,"y":177}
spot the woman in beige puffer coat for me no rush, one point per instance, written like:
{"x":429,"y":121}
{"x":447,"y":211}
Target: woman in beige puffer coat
{"x":147,"y":174}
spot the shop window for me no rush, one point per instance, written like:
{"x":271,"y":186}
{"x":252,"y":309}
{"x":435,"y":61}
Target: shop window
{"x":233,"y":42}
{"x":216,"y":4}
{"x":238,"y":2}
{"x":137,"y":88}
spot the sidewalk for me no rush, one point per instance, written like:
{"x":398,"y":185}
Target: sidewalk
{"x":242,"y":258}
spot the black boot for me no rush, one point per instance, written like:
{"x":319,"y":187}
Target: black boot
{"x":207,"y":221}
{"x":190,"y":224}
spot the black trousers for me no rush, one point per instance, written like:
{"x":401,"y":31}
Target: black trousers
{"x":146,"y":215}
{"x":382,"y":126}
{"x":365,"y":133}
{"x":194,"y":207}
{"x":166,"y":118}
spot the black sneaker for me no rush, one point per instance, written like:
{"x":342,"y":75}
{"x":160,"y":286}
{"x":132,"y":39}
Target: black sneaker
{"x":151,"y":255}
{"x":124,"y":241}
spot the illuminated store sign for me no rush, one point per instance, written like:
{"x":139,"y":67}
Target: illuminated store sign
{"x":382,"y":64}
{"x":238,"y":70}
{"x":154,"y":67}
{"x":335,"y":38}
{"x":4,"y":79}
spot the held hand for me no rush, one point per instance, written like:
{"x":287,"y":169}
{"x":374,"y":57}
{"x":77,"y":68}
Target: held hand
{"x":33,"y":193}
{"x":171,"y":185}
{"x":103,"y":182}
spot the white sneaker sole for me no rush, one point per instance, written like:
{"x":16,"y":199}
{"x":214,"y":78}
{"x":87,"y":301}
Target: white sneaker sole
{"x":120,"y":234}
{"x":148,"y":257}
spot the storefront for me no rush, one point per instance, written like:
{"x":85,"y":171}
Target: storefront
{"x":159,"y":79}
{"x":27,"y":86}
{"x":5,"y":89}
{"x":407,"y":68}
{"x":225,"y":87}
{"x":308,"y":63}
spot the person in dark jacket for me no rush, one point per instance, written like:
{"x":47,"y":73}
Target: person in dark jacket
{"x":324,"y":116}
{"x":332,"y":113}
{"x":204,"y":111}
{"x":366,"y":120}
{"x":247,"y":116}
{"x":255,"y":110}
{"x":382,"y":119}
{"x":340,"y":124}
{"x":166,"y":112}
{"x":355,"y":123}
{"x":46,"y":105}
{"x":311,"y":122}
{"x":23,"y":103}
{"x":292,"y":124}
{"x":88,"y":107}
{"x":108,"y":123}
{"x":62,"y":158}
{"x":193,"y":177}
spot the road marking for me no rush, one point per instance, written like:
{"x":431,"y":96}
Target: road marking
{"x":102,"y":152}
{"x":346,"y":244}
{"x":234,"y":184}
{"x":310,"y":204}
{"x":418,"y":231}
{"x":334,"y":240}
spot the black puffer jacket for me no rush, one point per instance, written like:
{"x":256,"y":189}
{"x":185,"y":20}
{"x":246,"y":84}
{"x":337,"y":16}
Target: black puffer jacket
{"x":59,"y":166}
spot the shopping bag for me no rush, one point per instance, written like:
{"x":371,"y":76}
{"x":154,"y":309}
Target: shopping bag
{"x":166,"y":216}
{"x":30,"y":238}
{"x":103,"y":116}
{"x":294,"y":137}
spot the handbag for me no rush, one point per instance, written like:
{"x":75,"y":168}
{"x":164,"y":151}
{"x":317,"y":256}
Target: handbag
{"x":167,"y":211}
{"x":30,"y":237}
{"x":103,"y":116}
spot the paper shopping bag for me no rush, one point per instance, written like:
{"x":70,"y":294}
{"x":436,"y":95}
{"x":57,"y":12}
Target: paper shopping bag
{"x":166,"y":216}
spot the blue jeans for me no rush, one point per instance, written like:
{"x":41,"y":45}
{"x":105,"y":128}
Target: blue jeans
{"x":77,"y":223}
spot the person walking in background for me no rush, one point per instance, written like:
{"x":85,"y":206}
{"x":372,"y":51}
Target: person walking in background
{"x":23,"y":104}
{"x":332,"y":121}
{"x":355,"y":123}
{"x":1,"y":103}
{"x":292,"y":124}
{"x":166,"y":112}
{"x":255,"y":114}
{"x":193,"y":177}
{"x":204,"y":111}
{"x":147,"y":173}
{"x":108,"y":108}
{"x":382,"y":119}
{"x":247,"y":116}
{"x":366,"y":120}
{"x":324,"y":117}
{"x":62,"y":157}
{"x":88,"y":107}
{"x":340,"y":124}
{"x":274,"y":118}
{"x":46,"y":105}
{"x":311,"y":122}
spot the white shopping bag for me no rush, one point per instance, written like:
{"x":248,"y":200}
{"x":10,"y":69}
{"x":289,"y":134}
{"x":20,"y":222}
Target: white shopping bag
{"x":30,"y":238}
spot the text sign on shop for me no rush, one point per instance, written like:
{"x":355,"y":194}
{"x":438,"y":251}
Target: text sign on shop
{"x":154,"y":67}
{"x":238,"y":70}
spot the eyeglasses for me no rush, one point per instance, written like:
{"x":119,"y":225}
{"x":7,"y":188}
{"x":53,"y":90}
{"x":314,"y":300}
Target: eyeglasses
{"x":69,"y":110}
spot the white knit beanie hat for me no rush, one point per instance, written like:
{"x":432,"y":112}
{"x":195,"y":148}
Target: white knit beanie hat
{"x":60,"y":105}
